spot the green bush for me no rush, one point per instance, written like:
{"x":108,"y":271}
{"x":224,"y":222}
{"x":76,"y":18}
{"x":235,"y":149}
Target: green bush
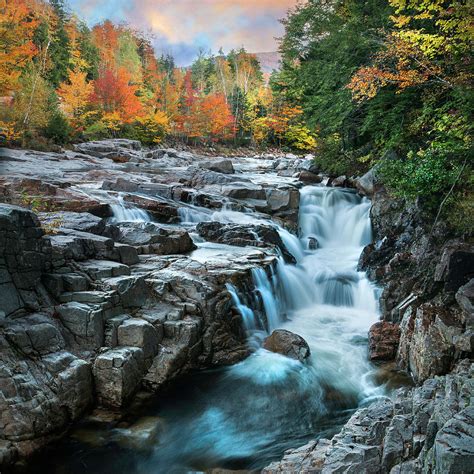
{"x":58,"y":129}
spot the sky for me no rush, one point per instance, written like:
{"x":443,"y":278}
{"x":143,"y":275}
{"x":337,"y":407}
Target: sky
{"x":183,"y":27}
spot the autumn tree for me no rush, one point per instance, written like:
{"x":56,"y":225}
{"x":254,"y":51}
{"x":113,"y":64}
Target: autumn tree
{"x":75,"y":94}
{"x":113,"y":92}
{"x":17,"y":28}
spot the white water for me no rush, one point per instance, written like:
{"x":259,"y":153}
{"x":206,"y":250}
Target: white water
{"x":125,"y":212}
{"x":324,"y":298}
{"x":267,"y":403}
{"x":247,"y":415}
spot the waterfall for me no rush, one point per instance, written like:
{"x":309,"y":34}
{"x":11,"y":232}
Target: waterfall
{"x":125,"y":212}
{"x":323,"y":297}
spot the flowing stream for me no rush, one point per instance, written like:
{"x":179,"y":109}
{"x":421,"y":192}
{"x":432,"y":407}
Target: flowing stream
{"x":246,"y":416}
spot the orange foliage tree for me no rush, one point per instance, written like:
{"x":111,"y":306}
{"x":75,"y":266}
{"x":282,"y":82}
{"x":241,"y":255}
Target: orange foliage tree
{"x":114,"y":93}
{"x":17,"y":27}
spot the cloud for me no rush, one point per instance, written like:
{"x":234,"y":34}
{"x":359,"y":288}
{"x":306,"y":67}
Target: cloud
{"x":182,"y":27}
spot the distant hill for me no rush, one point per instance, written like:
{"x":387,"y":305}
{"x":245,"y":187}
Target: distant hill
{"x":269,"y":61}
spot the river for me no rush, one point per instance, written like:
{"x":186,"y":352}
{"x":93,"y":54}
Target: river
{"x":247,"y":415}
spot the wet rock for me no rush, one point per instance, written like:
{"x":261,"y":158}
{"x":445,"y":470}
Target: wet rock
{"x":242,"y":235}
{"x":244,"y":191}
{"x":339,"y":182}
{"x":76,"y":245}
{"x":453,"y":449}
{"x":117,"y":375}
{"x":139,"y":333}
{"x":202,"y":178}
{"x":220,"y":165}
{"x":383,"y":340}
{"x":282,"y":199}
{"x":165,"y":366}
{"x":288,"y":344}
{"x":313,"y":243}
{"x":159,"y":210}
{"x":310,"y":177}
{"x":34,"y":335}
{"x":132,"y":290}
{"x":84,"y":324}
{"x":25,"y":255}
{"x":366,"y":183}
{"x":82,"y":221}
{"x":151,"y":238}
{"x":119,"y":150}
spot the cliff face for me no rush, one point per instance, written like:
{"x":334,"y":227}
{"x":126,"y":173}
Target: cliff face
{"x":428,"y":287}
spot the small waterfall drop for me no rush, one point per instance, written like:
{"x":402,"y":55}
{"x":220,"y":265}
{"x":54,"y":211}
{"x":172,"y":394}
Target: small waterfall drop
{"x":125,"y":212}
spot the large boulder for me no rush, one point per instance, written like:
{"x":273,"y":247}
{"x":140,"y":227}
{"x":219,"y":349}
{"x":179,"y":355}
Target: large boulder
{"x":120,"y":150}
{"x":244,"y":191}
{"x":148,"y":238}
{"x":282,"y":199}
{"x":383,"y":340}
{"x":220,"y":165}
{"x":288,"y":344}
{"x":309,"y":177}
{"x":117,"y":375}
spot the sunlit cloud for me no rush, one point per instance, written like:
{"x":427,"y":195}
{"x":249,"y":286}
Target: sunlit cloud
{"x":183,"y":27}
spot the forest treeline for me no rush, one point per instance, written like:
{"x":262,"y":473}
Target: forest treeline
{"x":62,"y":81}
{"x":388,"y":83}
{"x":384,"y":83}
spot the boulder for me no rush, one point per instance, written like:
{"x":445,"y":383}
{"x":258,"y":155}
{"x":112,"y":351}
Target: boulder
{"x":220,"y":165}
{"x":159,"y":210}
{"x":119,"y":150}
{"x":288,"y":344}
{"x":339,"y":182}
{"x":82,"y":221}
{"x":84,"y":324}
{"x":149,"y":237}
{"x":139,"y":333}
{"x":383,"y":340}
{"x":242,"y":235}
{"x":427,"y":340}
{"x":244,"y":191}
{"x":117,"y":375}
{"x":366,"y":183}
{"x":282,"y":199}
{"x":309,"y":177}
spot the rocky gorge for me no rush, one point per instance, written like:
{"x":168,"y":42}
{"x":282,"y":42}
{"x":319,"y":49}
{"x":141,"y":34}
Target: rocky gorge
{"x":125,"y":269}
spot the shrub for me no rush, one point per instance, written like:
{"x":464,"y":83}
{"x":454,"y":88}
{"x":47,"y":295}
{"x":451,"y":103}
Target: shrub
{"x":58,"y":129}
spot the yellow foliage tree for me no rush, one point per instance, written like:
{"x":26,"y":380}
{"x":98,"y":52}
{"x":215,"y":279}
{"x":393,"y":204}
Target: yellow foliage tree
{"x":75,"y":95}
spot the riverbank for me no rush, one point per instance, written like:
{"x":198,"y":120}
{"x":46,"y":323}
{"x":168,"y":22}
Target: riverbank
{"x":135,"y":294}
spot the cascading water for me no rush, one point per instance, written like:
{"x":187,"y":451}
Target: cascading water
{"x":258,"y":408}
{"x":124,"y":212}
{"x":247,"y":415}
